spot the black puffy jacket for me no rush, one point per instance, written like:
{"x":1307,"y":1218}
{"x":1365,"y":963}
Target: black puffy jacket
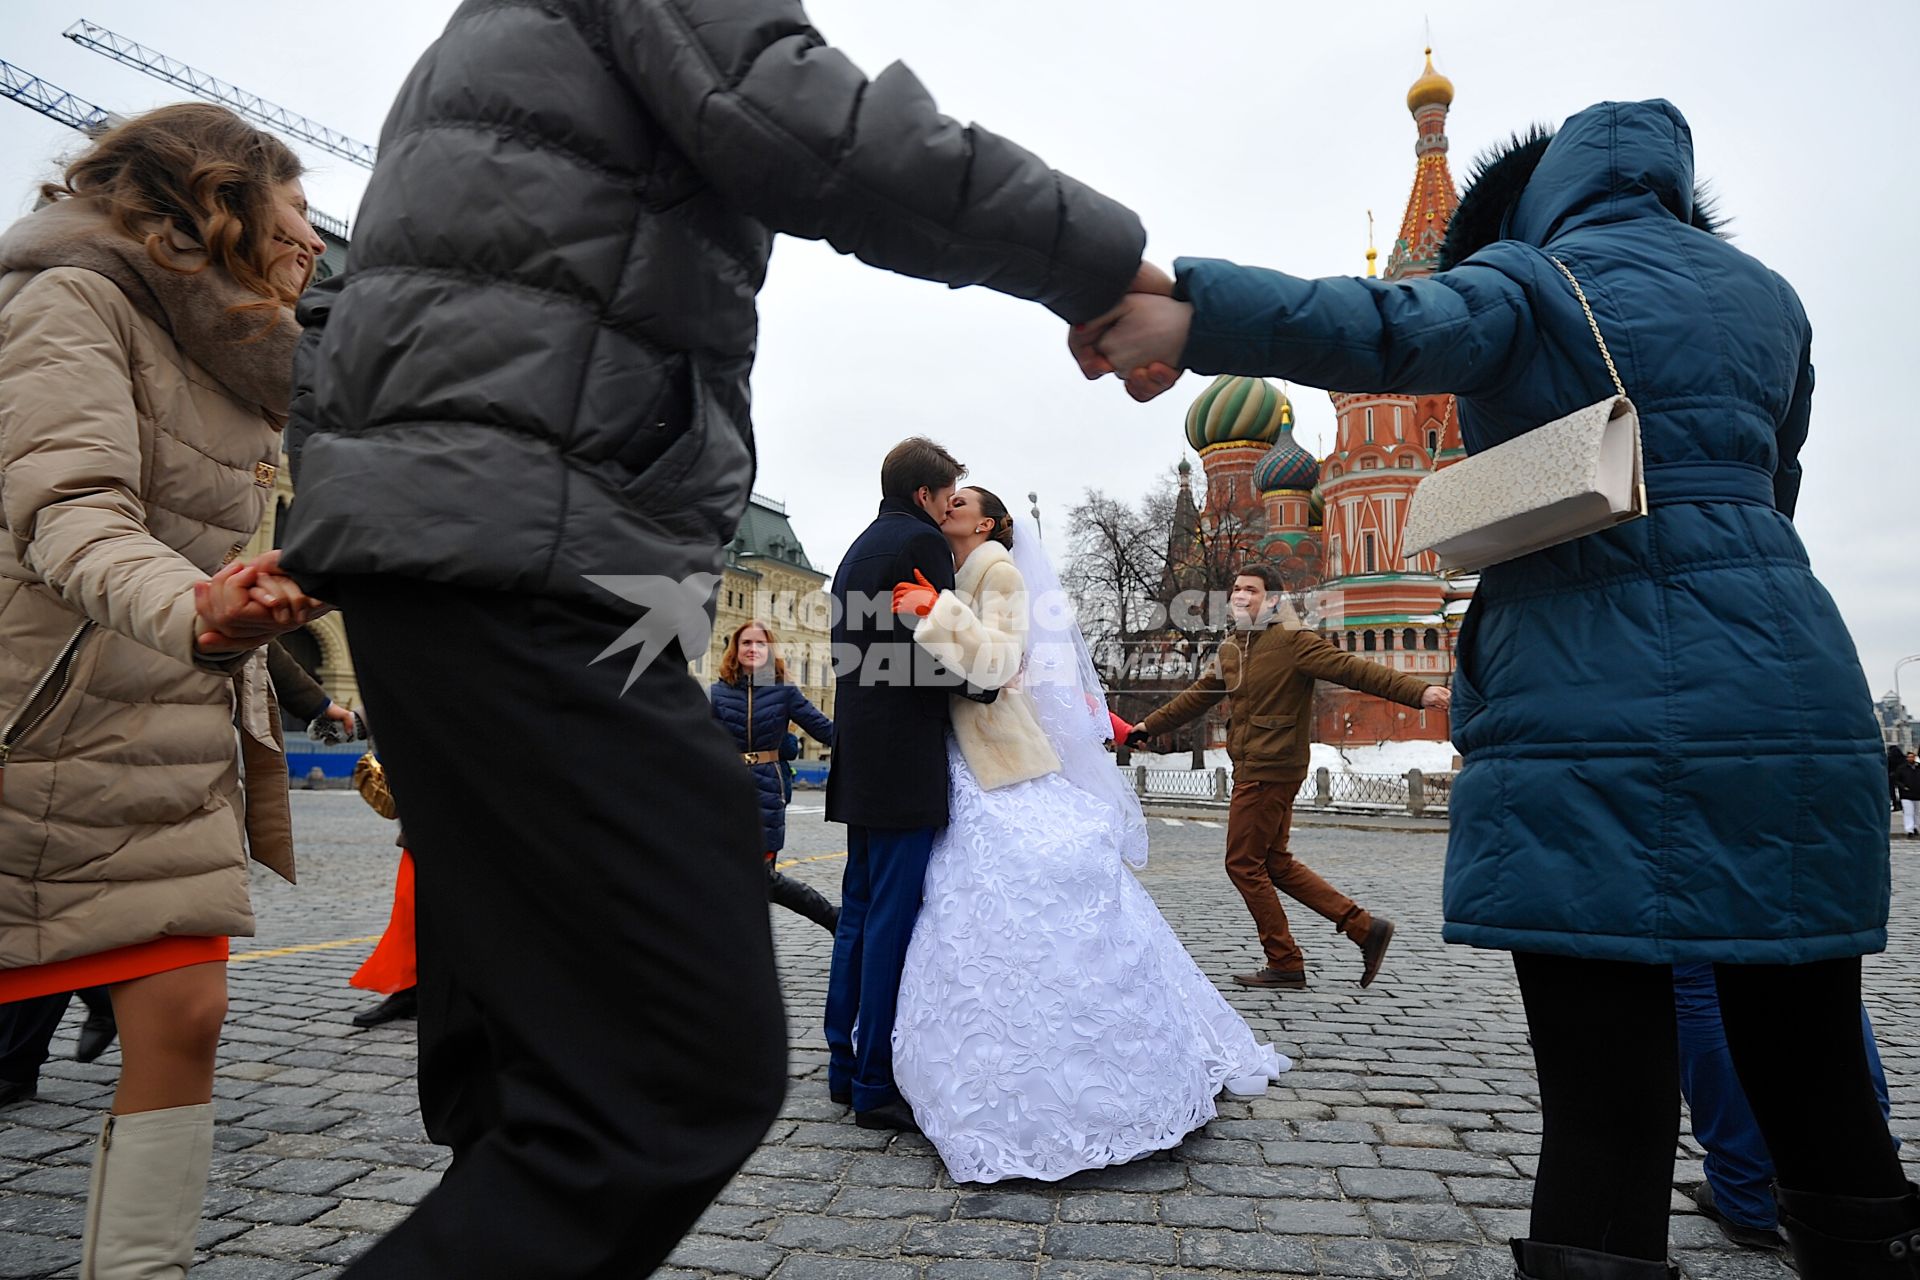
{"x":535,"y":365}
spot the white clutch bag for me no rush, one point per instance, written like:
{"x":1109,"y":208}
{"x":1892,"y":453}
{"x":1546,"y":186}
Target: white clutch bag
{"x":1571,"y":477}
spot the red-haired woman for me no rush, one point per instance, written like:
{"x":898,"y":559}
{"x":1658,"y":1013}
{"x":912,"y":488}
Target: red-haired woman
{"x":754,"y":702}
{"x":146,"y":345}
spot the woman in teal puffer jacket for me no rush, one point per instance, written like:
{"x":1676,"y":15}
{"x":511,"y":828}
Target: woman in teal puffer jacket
{"x":1669,"y":749}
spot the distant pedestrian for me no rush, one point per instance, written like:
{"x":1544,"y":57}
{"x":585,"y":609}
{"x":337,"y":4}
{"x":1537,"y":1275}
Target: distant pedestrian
{"x":1908,"y":784}
{"x":755,"y":701}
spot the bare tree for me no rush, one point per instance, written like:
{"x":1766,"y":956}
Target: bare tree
{"x":1116,"y":558}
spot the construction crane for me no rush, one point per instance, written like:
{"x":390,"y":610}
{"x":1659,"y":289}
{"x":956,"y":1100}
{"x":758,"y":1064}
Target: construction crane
{"x":77,"y":113}
{"x":50,"y":100}
{"x":90,"y":35}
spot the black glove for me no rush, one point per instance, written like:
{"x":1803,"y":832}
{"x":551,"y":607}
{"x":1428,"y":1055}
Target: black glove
{"x":1138,"y":738}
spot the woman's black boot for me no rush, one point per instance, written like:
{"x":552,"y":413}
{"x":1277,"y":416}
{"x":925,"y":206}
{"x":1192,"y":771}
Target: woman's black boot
{"x":804,"y":899}
{"x":1852,"y":1237}
{"x":1535,"y":1261}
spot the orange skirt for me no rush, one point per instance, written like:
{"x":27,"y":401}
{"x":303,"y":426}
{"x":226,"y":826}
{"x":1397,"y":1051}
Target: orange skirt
{"x":392,"y":966}
{"x":104,"y":968}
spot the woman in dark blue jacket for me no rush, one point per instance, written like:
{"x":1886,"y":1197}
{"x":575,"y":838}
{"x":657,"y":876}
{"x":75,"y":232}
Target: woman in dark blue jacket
{"x":753,"y":701}
{"x":1669,"y":748}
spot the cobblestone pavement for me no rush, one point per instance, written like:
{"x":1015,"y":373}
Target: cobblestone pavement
{"x":1401,"y":1145}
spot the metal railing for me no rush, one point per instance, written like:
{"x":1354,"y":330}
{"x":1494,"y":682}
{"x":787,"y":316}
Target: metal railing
{"x":1414,"y":792}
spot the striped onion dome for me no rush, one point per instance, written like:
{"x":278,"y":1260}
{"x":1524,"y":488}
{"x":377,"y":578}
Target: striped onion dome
{"x":1236,"y":410}
{"x":1316,"y":508}
{"x":1287,"y":465}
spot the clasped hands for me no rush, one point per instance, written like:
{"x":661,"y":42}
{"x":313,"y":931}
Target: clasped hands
{"x":1140,"y":340}
{"x":248,"y":603}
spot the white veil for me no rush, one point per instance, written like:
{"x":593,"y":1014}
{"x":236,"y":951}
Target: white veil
{"x":1066,"y":693}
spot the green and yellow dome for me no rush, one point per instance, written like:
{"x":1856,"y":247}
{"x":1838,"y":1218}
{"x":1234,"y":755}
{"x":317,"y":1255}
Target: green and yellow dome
{"x":1239,"y":411}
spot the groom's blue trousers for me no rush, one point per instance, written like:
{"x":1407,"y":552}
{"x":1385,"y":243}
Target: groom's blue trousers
{"x":1739,"y":1168}
{"x":879,"y":901}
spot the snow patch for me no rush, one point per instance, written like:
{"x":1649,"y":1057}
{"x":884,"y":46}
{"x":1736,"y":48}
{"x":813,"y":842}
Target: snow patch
{"x":1383,"y":757}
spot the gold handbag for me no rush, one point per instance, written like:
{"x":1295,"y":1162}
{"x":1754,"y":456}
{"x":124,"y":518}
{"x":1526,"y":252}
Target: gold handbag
{"x":370,"y":780}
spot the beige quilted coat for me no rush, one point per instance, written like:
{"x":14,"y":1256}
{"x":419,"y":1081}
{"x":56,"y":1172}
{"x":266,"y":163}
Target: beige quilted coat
{"x":127,"y":474}
{"x":979,"y":629}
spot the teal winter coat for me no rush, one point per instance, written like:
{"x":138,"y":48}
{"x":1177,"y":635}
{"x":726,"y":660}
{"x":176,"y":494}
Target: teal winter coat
{"x":1669,"y":749}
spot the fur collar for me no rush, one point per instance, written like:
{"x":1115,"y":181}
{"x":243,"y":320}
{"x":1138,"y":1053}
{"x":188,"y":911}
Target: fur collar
{"x":966,"y":582}
{"x":1498,"y":176}
{"x":253,"y":363}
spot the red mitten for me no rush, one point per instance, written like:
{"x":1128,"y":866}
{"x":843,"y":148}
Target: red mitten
{"x":916,"y":597}
{"x":1120,"y":727}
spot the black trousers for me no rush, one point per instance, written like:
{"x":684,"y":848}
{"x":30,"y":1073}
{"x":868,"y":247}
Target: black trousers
{"x":27,"y":1028}
{"x":1607,"y":1054}
{"x":602,"y":1041}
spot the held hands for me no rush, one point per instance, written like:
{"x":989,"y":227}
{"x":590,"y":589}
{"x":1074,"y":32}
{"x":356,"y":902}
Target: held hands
{"x":248,"y":603}
{"x":1140,"y":340}
{"x":916,"y":597}
{"x":1437,"y":698}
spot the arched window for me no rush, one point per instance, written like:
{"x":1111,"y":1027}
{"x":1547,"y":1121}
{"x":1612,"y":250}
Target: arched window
{"x":1433,"y":441}
{"x":1352,"y":641}
{"x":1386,"y":640}
{"x":1399,"y":432}
{"x":1408,"y":640}
{"x":1368,"y":640}
{"x":1433,"y":638}
{"x":1369,"y":426}
{"x":1369,"y":558}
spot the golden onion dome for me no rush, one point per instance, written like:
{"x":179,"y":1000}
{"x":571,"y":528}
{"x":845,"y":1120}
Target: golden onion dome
{"x":1430,"y":89}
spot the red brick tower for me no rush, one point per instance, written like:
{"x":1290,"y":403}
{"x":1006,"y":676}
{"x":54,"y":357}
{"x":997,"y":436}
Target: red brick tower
{"x":1378,"y":601}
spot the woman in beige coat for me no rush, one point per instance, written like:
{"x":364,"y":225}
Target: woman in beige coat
{"x":1049,"y":1020}
{"x":146,"y":343}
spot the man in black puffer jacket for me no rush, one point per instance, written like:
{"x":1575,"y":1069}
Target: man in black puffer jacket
{"x":533,"y":373}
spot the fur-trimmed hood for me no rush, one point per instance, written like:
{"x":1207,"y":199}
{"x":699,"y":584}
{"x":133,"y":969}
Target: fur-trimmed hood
{"x":1612,"y":161}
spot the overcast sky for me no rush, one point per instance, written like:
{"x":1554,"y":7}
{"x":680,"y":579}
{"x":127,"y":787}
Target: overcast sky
{"x":1248,"y":129}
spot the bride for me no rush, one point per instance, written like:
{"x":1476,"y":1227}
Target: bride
{"x":1049,"y":1020}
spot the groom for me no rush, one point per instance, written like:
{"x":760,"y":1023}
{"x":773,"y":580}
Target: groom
{"x":888,"y":779}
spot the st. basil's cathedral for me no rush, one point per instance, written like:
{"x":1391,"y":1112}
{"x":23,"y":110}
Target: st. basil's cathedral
{"x":1333,"y":526}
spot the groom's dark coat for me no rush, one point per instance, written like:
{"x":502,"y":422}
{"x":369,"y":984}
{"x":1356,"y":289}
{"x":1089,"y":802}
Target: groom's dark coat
{"x":889,"y":764}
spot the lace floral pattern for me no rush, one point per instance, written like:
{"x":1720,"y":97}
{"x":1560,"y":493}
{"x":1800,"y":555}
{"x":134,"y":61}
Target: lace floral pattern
{"x":1049,"y":1020}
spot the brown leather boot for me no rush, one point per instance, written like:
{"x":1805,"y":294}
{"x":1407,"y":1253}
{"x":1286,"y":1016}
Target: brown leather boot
{"x":1278,"y":979}
{"x":1374,"y":950}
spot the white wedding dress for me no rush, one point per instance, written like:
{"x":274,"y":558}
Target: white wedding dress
{"x":1049,"y":1019}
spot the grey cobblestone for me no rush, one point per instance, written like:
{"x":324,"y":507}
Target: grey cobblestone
{"x":1401,"y":1147}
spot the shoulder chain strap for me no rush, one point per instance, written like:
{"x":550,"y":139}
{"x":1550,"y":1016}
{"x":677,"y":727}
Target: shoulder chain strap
{"x":1593,"y":324}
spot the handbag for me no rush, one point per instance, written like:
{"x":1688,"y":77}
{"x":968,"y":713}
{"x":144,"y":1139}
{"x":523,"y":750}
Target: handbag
{"x":370,"y":780}
{"x":1571,"y":477}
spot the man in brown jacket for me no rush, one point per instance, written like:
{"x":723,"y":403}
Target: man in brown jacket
{"x":1269,"y":667}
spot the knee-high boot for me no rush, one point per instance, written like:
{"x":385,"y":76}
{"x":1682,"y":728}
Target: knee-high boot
{"x":804,"y":899}
{"x":143,"y":1201}
{"x":1535,"y":1261}
{"x":1852,"y":1237}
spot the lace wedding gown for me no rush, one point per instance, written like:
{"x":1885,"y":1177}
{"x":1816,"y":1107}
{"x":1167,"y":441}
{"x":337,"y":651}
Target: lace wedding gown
{"x":1049,"y":1020}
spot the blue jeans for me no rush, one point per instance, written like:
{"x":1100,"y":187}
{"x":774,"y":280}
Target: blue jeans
{"x":879,"y":901}
{"x":1739,"y":1169}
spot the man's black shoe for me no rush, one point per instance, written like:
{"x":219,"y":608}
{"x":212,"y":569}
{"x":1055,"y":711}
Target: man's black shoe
{"x":888,"y":1115}
{"x":12,"y":1091}
{"x":97,"y":1034}
{"x":843,"y":1097}
{"x":1738,"y":1232}
{"x":401,"y":1004}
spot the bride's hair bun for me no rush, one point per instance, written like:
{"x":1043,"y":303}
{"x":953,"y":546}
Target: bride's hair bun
{"x":995,"y":510}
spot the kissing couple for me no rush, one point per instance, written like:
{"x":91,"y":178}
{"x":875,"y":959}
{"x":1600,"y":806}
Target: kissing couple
{"x":1000,"y":980}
